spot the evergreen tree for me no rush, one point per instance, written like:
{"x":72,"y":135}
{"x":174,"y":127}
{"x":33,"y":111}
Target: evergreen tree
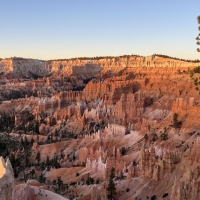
{"x":25,"y":141}
{"x":42,"y":179}
{"x":123,"y":151}
{"x":48,"y":162}
{"x":38,"y":157}
{"x":59,"y":182}
{"x":111,"y":185}
{"x":54,"y":182}
{"x":32,"y":141}
{"x":36,"y":127}
{"x":198,"y":37}
{"x":32,"y":172}
{"x":55,"y":162}
{"x":175,"y":120}
{"x":149,"y":127}
{"x":146,"y":137}
{"x":26,"y":160}
{"x":88,"y":180}
{"x":21,"y":141}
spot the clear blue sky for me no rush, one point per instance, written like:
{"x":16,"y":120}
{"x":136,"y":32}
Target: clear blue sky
{"x":52,"y":29}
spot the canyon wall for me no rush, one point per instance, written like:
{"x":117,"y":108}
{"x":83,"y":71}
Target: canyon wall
{"x":90,"y":67}
{"x":22,"y":66}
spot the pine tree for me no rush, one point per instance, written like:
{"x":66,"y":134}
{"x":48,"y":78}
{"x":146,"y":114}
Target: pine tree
{"x":88,"y":180}
{"x":175,"y":120}
{"x":54,"y":182}
{"x":26,"y":160}
{"x":21,"y":141}
{"x":59,"y":182}
{"x":32,"y":172}
{"x":32,"y":141}
{"x":111,"y":185}
{"x":38,"y":157}
{"x":25,"y":141}
{"x":55,"y":162}
{"x":198,"y":37}
{"x":36,"y":127}
{"x":42,"y":179}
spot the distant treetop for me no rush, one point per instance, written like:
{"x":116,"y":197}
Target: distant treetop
{"x":123,"y":56}
{"x":96,"y":57}
{"x":165,"y":56}
{"x":198,"y":37}
{"x":105,"y":57}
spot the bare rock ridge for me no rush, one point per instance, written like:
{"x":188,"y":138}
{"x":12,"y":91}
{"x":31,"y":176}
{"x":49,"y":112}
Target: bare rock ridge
{"x":89,"y":67}
{"x":6,"y":180}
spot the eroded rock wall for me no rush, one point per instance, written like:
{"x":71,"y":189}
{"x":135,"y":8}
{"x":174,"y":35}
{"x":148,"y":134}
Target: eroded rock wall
{"x":90,"y":67}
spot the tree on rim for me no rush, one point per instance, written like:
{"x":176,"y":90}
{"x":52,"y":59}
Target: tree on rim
{"x":111,"y":185}
{"x":198,"y":37}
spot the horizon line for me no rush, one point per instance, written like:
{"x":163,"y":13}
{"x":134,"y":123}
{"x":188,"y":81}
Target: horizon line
{"x":102,"y":57}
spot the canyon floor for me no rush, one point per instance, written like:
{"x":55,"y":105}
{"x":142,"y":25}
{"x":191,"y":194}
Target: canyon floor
{"x":66,"y":125}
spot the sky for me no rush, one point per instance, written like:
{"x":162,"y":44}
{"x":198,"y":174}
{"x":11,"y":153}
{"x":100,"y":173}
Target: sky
{"x":58,"y":29}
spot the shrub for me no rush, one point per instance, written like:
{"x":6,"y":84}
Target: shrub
{"x":176,"y":123}
{"x":154,"y":137}
{"x":165,"y":195}
{"x":195,"y":70}
{"x":97,"y":181}
{"x":123,"y":151}
{"x":164,"y":136}
{"x":153,"y":197}
{"x":146,"y":137}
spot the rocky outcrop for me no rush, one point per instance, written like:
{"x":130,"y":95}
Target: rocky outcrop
{"x":130,"y":108}
{"x":25,"y":192}
{"x":75,"y":67}
{"x":6,"y":65}
{"x":6,"y":180}
{"x":195,"y":152}
{"x":152,"y":166}
{"x":26,"y":67}
{"x":182,"y":106}
{"x":186,"y":188}
{"x":98,"y":194}
{"x":105,"y":162}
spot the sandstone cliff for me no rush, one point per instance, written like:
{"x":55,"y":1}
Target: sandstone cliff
{"x":92,"y":66}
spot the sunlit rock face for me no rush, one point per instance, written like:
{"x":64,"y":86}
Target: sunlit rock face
{"x":6,"y":180}
{"x":22,"y":66}
{"x":187,"y":187}
{"x":90,"y":67}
